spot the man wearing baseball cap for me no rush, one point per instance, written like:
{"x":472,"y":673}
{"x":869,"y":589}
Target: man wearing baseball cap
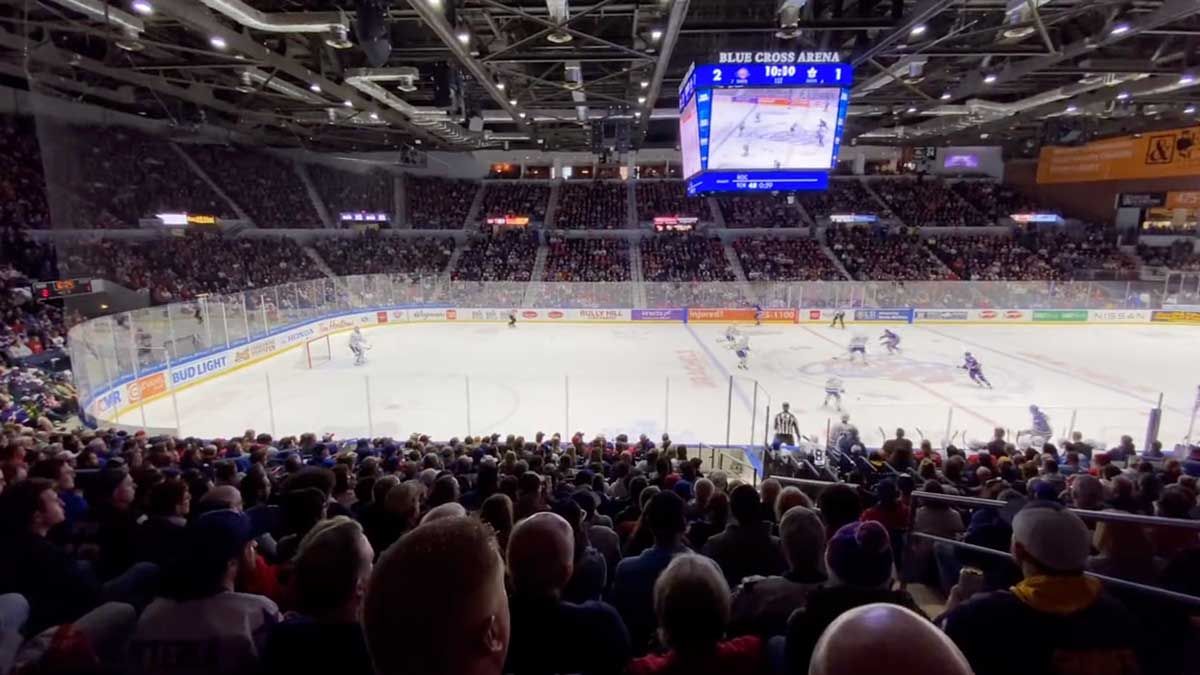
{"x":1065,"y":621}
{"x":202,"y":624}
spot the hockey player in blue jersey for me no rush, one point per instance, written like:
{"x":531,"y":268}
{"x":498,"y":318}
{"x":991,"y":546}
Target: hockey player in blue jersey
{"x":758,"y":315}
{"x":975,"y":370}
{"x":743,"y":352}
{"x":1041,"y":424}
{"x":891,"y":341}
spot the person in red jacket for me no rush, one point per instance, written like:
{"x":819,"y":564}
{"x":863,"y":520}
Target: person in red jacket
{"x":692,"y":603}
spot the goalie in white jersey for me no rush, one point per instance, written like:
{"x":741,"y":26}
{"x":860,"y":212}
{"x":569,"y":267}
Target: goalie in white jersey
{"x":358,"y":345}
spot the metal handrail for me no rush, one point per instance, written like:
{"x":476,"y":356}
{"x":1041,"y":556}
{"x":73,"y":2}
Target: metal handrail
{"x":1085,"y":514}
{"x":1116,"y":581}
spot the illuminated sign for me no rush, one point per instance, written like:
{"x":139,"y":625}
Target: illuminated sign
{"x":779,"y":57}
{"x":185,"y":219}
{"x":520,"y":221}
{"x":675,"y":223}
{"x":853,"y":218}
{"x":48,"y":290}
{"x":1036,"y":217}
{"x":363,"y":217}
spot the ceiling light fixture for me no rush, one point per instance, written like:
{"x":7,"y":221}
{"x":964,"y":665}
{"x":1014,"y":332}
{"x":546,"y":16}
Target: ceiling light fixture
{"x":946,"y":96}
{"x":314,"y":88}
{"x":1072,"y":108}
{"x":645,"y":84}
{"x":463,"y":36}
{"x":917,"y":30}
{"x":990,"y":78}
{"x":1186,"y":79}
{"x":1190,"y":110}
{"x":656,"y":34}
{"x":348,"y":103}
{"x":911,"y":110}
{"x":512,"y":101}
{"x":1119,"y":29}
{"x":1122,"y":96}
{"x":984,"y":135}
{"x":521,"y":115}
{"x":143,"y":7}
{"x":374,"y":115}
{"x":500,"y":86}
{"x":218,"y":42}
{"x":641,"y":100}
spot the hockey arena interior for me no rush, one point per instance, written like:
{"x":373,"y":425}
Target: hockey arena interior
{"x":532,"y":337}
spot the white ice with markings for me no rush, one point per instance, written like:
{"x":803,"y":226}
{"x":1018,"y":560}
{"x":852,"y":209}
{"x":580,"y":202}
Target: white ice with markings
{"x":449,"y":380}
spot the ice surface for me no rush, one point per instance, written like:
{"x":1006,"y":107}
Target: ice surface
{"x":449,"y":380}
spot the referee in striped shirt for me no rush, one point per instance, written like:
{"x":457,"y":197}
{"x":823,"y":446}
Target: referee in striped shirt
{"x":786,"y":428}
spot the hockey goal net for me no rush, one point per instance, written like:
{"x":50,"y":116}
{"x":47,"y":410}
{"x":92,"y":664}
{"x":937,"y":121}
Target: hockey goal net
{"x":317,"y":351}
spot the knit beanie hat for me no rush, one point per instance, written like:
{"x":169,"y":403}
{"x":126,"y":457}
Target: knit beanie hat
{"x":860,"y":554}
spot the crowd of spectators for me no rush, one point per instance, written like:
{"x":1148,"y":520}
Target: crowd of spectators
{"x":995,"y":201}
{"x":571,"y":259}
{"x":758,"y":211}
{"x":874,"y":254}
{"x":111,"y":177}
{"x":684,"y":256}
{"x":351,"y":191}
{"x":843,"y":196}
{"x":375,"y":253}
{"x":504,"y":256}
{"x":595,"y":205}
{"x":516,"y":199}
{"x":1180,"y":255}
{"x":1093,"y":250}
{"x":992,"y":258}
{"x":439,"y":203}
{"x":490,"y":555}
{"x":668,"y":198}
{"x":266,"y":187}
{"x":927,"y":203}
{"x":171,"y":269}
{"x":784,"y":259}
{"x":22,"y":184}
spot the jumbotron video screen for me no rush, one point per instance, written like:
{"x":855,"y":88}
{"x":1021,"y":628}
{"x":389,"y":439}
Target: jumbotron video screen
{"x":773,"y":128}
{"x":764,"y":121}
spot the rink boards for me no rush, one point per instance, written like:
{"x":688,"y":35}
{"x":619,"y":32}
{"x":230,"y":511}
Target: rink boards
{"x":111,"y":401}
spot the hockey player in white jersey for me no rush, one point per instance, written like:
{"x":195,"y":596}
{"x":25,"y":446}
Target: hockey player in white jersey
{"x":858,"y":345}
{"x":833,"y":390}
{"x":358,"y":345}
{"x":731,"y":336}
{"x":743,"y":352}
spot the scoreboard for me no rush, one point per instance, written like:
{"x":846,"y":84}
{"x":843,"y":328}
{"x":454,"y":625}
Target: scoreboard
{"x":763,"y":121}
{"x":49,"y":290}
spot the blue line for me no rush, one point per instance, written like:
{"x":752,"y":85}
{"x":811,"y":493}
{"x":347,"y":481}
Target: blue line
{"x":721,"y":367}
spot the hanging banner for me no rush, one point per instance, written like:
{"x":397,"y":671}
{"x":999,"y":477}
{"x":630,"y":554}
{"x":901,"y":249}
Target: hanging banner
{"x":1170,"y":153}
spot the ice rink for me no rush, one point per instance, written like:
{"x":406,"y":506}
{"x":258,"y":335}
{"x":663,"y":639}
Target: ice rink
{"x":452,"y":379}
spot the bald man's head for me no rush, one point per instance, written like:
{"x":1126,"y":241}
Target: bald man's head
{"x":541,"y":550}
{"x":858,"y":641}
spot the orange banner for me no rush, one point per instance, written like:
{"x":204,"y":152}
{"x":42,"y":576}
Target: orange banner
{"x":1160,"y":154}
{"x":147,"y":387}
{"x":1189,"y":199}
{"x":725,"y":315}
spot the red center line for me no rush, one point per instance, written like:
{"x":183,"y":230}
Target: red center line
{"x":927,"y":389}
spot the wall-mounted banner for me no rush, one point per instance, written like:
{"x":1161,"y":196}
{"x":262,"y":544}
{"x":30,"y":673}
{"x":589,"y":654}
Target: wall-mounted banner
{"x":1175,"y":316}
{"x":1068,"y":315}
{"x":1169,"y":153}
{"x":940,"y":315}
{"x":660,"y":315}
{"x":889,"y":315}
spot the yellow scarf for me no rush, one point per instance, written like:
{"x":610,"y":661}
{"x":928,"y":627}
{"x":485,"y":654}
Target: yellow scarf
{"x":1058,"y":595}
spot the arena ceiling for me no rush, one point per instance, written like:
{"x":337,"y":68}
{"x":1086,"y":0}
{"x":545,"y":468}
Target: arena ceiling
{"x":557,"y":74}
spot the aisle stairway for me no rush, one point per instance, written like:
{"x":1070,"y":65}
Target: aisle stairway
{"x":314,"y":196}
{"x":195,"y":166}
{"x":552,"y":205}
{"x":535,"y":277}
{"x":459,"y":247}
{"x":476,"y":205}
{"x":714,"y":207}
{"x":734,"y":262}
